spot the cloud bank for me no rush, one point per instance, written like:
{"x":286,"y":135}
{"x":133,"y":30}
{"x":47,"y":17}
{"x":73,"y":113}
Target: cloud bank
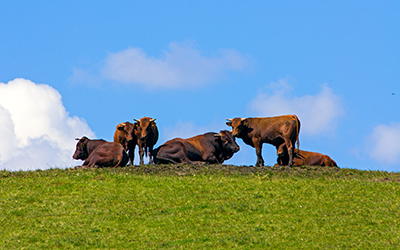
{"x":180,"y":65}
{"x":317,"y":113}
{"x":384,"y":143}
{"x":35,"y":129}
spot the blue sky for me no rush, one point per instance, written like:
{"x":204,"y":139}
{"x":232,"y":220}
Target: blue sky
{"x":77,"y":68}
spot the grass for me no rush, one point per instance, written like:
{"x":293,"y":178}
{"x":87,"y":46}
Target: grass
{"x":200,"y":207}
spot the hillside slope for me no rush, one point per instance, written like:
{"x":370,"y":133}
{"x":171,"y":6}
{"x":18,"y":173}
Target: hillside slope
{"x":200,"y":207}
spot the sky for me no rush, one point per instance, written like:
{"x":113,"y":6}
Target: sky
{"x":75,"y":68}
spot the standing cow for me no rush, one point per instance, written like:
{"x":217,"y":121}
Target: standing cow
{"x":100,"y":153}
{"x":207,"y":148}
{"x":125,"y":134}
{"x":273,"y":130}
{"x":147,"y":136}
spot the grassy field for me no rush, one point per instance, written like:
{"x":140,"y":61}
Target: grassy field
{"x":200,"y":207}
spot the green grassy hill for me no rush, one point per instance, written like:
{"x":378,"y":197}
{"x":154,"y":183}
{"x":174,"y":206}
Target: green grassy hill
{"x":200,"y":207}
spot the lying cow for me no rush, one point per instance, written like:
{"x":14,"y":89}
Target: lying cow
{"x":276,"y":130}
{"x":100,"y":153}
{"x":125,"y":134}
{"x":147,"y":136}
{"x":304,"y":158}
{"x":207,"y":148}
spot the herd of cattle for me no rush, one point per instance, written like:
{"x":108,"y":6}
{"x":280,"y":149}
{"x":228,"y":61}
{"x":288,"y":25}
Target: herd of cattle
{"x":214,"y":148}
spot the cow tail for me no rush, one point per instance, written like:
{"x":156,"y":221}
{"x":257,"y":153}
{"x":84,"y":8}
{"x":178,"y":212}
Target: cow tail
{"x":119,"y":162}
{"x":298,"y":133}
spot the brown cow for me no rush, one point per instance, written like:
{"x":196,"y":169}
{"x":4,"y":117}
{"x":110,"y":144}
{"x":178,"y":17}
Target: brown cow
{"x":207,"y":148}
{"x":273,"y":130}
{"x":147,"y":136}
{"x":125,"y":134}
{"x":100,"y":153}
{"x":303,"y":158}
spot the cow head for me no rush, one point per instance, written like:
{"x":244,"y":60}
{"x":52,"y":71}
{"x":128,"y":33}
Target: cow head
{"x":127,"y":130}
{"x":239,"y":125}
{"x":81,"y":152}
{"x":144,"y":126}
{"x":228,"y":143}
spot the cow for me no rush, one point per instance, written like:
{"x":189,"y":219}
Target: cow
{"x":147,"y":136}
{"x":125,"y":134}
{"x":100,"y":153}
{"x":209,"y":148}
{"x":273,"y":130}
{"x":304,"y":158}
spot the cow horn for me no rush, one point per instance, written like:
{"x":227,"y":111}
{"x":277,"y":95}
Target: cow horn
{"x":136,"y":120}
{"x":218,"y":135}
{"x":243,"y":119}
{"x":229,"y":120}
{"x":152,"y":120}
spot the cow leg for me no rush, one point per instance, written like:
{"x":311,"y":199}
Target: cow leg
{"x":258,"y":146}
{"x":290,"y":148}
{"x":141,"y":154}
{"x":141,"y":145}
{"x":131,"y":154}
{"x":281,"y":152}
{"x":151,"y":155}
{"x":86,"y":164}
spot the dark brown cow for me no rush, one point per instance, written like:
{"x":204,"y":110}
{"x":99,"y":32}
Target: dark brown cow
{"x":100,"y":153}
{"x":273,"y":130}
{"x":305,"y":158}
{"x":207,"y":148}
{"x":147,"y":136}
{"x":125,"y":134}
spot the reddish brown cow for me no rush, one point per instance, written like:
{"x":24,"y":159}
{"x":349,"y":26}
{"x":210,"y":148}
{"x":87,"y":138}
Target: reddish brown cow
{"x":125,"y":134}
{"x":207,"y":148}
{"x":100,"y":153}
{"x":303,"y":158}
{"x":273,"y":130}
{"x":147,"y":136}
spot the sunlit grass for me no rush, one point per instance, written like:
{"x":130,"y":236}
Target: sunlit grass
{"x":206,"y":207}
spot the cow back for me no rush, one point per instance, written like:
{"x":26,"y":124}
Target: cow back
{"x":108,"y":154}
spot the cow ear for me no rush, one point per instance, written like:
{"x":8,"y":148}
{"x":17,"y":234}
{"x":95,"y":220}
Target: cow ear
{"x":121,"y":127}
{"x":245,"y":122}
{"x":217,"y":137}
{"x":229,"y":124}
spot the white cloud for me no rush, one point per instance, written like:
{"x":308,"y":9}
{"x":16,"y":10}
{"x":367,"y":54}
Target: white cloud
{"x":179,"y":66}
{"x":317,"y":113}
{"x":35,"y":129}
{"x":384,"y":143}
